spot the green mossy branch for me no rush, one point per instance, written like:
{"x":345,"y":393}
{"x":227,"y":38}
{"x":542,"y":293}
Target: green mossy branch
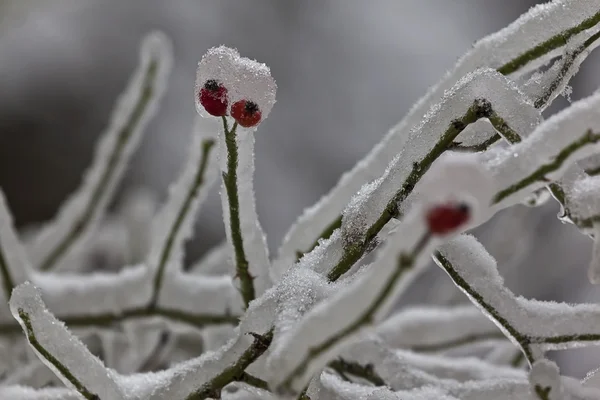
{"x":125,"y":133}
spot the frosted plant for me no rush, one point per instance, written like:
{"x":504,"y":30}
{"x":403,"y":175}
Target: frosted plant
{"x":318,"y":320}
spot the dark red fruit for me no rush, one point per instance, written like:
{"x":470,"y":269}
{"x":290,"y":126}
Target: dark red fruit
{"x":446,"y":218}
{"x":213,"y":97}
{"x":246,"y":113}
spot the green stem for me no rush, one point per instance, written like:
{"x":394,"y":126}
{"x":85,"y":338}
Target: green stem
{"x":547,"y":46}
{"x":405,"y":263}
{"x":61,"y":368}
{"x":236,"y":371}
{"x":230,"y":182}
{"x":253,"y":381}
{"x":481,"y":108}
{"x":109,"y":320}
{"x":83,"y":221}
{"x":459,"y":281}
{"x":366,"y":372}
{"x":568,"y":61}
{"x":539,"y":174}
{"x":476,"y":148}
{"x":503,"y":128}
{"x":207,"y":145}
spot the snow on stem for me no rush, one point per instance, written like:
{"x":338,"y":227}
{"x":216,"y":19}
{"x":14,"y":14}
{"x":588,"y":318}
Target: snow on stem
{"x":78,"y":217}
{"x":243,"y":229}
{"x":434,"y":329}
{"x":488,"y":95}
{"x":532,"y":325}
{"x":101,"y":301}
{"x":183,"y":203}
{"x":540,"y":174}
{"x":298,"y":354}
{"x":242,"y":270}
{"x":62,"y":352}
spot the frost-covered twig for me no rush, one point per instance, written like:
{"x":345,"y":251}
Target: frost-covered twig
{"x":87,"y":206}
{"x":185,"y":199}
{"x":433,"y":329}
{"x":230,"y":182}
{"x":534,"y":326}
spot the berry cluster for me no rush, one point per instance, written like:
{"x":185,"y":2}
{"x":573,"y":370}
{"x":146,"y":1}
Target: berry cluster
{"x":213,"y":97}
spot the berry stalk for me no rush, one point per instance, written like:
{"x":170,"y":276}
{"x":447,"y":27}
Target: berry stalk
{"x":230,"y":181}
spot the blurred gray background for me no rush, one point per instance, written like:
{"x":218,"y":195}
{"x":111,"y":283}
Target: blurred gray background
{"x":347,"y":70}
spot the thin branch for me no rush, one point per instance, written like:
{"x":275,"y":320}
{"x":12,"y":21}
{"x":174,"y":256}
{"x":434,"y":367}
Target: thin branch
{"x":199,"y":179}
{"x":406,"y":262}
{"x":539,"y":174}
{"x":253,"y":381}
{"x":480,"y":108}
{"x":466,"y":340}
{"x":366,"y":372}
{"x":110,"y":320}
{"x":475,"y":148}
{"x":126,"y":132}
{"x":64,"y":371}
{"x":593,"y":171}
{"x":230,"y":182}
{"x":546,"y":47}
{"x":568,"y":61}
{"x":478,"y":298}
{"x":236,"y":371}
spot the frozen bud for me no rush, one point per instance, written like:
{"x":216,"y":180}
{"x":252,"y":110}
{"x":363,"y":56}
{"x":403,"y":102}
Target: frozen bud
{"x":247,"y":84}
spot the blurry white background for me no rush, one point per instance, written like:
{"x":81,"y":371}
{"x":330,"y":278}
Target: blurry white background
{"x":347,"y":70}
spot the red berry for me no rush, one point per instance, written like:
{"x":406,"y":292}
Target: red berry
{"x":246,"y":113}
{"x":213,"y":97}
{"x":445,"y":218}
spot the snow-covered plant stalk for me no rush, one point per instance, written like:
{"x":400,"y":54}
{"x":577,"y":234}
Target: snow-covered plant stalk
{"x":317,"y":321}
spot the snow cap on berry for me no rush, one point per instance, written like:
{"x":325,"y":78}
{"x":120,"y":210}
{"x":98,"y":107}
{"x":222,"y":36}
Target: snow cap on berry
{"x":457,"y":179}
{"x":243,"y":78}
